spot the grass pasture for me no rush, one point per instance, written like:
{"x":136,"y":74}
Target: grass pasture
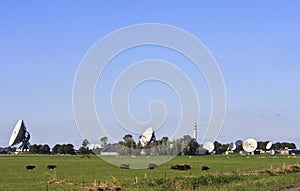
{"x":75,"y":173}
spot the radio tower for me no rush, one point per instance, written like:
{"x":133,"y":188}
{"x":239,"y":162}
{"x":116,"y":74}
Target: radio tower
{"x":195,"y":131}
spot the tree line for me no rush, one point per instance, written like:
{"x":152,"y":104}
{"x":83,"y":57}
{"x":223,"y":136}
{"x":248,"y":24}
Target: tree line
{"x":60,"y":149}
{"x":183,"y":146}
{"x":180,"y":146}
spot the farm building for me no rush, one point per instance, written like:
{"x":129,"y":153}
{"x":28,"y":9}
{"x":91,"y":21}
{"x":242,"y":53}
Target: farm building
{"x":109,"y":151}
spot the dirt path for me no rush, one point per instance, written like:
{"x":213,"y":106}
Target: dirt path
{"x":295,"y":188}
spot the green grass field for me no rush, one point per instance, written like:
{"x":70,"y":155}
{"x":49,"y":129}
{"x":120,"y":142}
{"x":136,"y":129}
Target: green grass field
{"x":75,"y":173}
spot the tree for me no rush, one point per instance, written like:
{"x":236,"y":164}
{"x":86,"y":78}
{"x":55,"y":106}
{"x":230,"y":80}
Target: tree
{"x":39,"y":149}
{"x":103,"y":141}
{"x":69,"y":149}
{"x":83,"y":151}
{"x":129,"y":143}
{"x":280,"y":146}
{"x":261,"y":145}
{"x":61,"y":149}
{"x":164,"y":139}
{"x":55,"y":149}
{"x":288,"y":145}
{"x":85,"y":143}
{"x":220,"y":148}
{"x":184,"y":142}
{"x":277,"y":146}
{"x":122,"y":149}
{"x":192,"y":147}
{"x":127,"y":137}
{"x":187,"y":139}
{"x":45,"y":149}
{"x":164,"y":146}
{"x":34,"y":149}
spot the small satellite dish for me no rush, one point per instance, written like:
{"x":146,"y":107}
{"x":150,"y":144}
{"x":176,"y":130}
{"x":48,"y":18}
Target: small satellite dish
{"x":147,"y":136}
{"x":20,"y":135}
{"x":272,"y":152}
{"x":209,"y":146}
{"x":269,"y":145}
{"x":249,"y":145}
{"x":232,"y":146}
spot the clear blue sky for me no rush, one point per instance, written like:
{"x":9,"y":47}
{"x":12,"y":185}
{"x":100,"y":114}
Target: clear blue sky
{"x":256,"y":45}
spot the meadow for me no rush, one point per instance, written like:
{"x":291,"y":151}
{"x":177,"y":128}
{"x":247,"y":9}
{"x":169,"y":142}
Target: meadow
{"x":236,"y":172}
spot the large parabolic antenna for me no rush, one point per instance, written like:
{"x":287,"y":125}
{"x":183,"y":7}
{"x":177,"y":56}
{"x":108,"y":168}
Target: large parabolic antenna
{"x":209,"y":146}
{"x":147,"y":136}
{"x":20,"y":135}
{"x":249,"y":145}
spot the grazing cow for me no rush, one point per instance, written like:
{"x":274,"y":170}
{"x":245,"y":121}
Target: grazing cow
{"x":30,"y":167}
{"x":51,"y":166}
{"x":204,"y":168}
{"x":181,"y":167}
{"x":125,"y":166}
{"x":152,"y":166}
{"x":187,"y":167}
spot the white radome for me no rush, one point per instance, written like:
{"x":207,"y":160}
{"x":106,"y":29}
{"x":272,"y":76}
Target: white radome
{"x":249,"y":145}
{"x":209,"y":146}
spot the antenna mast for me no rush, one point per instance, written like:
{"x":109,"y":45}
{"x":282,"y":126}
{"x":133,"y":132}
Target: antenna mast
{"x":195,"y":131}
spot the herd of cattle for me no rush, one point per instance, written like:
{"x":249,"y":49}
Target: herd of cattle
{"x":127,"y":166}
{"x":30,"y":167}
{"x":175,"y":167}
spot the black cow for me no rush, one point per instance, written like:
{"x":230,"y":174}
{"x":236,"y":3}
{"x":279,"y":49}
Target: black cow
{"x":152,"y":166}
{"x":30,"y":167}
{"x":181,"y":167}
{"x":51,"y":166}
{"x":187,"y":167}
{"x":125,"y":166}
{"x":204,"y":168}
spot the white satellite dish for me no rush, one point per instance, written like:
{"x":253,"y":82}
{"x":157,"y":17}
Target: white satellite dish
{"x":232,"y":146}
{"x":272,"y":152}
{"x":209,"y":146}
{"x":20,"y":135}
{"x":269,"y":145}
{"x":249,"y":145}
{"x":147,"y":136}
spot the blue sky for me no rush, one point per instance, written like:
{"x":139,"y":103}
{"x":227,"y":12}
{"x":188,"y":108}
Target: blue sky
{"x":256,"y":45}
